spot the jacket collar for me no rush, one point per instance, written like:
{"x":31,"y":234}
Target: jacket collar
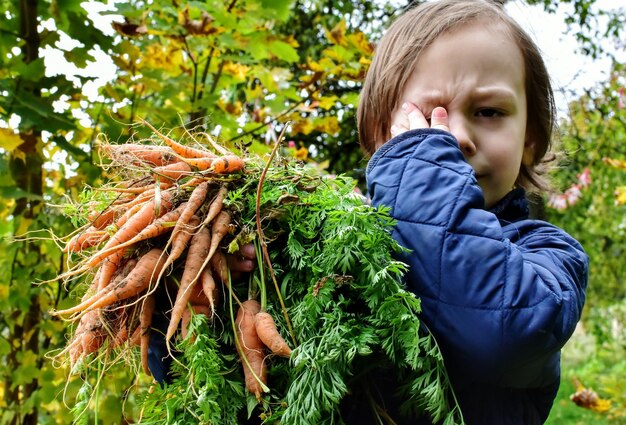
{"x":513,"y":207}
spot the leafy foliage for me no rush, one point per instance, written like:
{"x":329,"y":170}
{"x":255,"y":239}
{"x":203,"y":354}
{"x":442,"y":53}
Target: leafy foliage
{"x":591,"y":138}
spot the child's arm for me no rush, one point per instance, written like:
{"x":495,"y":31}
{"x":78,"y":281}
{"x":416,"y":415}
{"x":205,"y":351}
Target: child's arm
{"x":499,"y":304}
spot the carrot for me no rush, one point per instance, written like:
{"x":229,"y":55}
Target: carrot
{"x":131,"y":211}
{"x":219,"y":264}
{"x":145,"y":322}
{"x":175,"y":171}
{"x":198,"y":250}
{"x":135,"y":338}
{"x":208,"y":288}
{"x":200,"y":164}
{"x":267,"y":332}
{"x":109,"y":267}
{"x":140,"y":278}
{"x":93,"y":335}
{"x":182,"y":150}
{"x":90,"y":237}
{"x":100,"y":220}
{"x":179,"y":243}
{"x":250,"y":347}
{"x":227,"y":164}
{"x":220,"y":227}
{"x":121,"y":334}
{"x":198,"y":297}
{"x":189,"y":311}
{"x":75,"y":349}
{"x":156,"y":155}
{"x":133,"y":226}
{"x":216,"y":205}
{"x":196,"y":199}
{"x":158,"y":227}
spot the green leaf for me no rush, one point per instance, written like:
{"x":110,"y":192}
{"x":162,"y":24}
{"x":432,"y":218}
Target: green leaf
{"x":278,"y":8}
{"x":283,"y":51}
{"x":14,"y":192}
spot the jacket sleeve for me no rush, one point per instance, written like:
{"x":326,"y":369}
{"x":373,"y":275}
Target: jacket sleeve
{"x":500,"y":304}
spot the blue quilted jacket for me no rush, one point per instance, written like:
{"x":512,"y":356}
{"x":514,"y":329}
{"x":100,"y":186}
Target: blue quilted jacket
{"x":500,"y":293}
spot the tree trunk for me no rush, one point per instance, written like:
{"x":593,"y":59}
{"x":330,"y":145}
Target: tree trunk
{"x":26,"y":166}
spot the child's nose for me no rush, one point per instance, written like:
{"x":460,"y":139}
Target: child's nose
{"x":463,"y":135}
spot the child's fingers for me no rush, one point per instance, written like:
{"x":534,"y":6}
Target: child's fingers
{"x":415,"y":116}
{"x":439,"y":119}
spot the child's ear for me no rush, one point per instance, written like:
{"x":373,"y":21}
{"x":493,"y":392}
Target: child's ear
{"x":528,"y":156}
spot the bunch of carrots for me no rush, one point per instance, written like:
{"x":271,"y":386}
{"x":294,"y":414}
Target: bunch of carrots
{"x":171,"y":214}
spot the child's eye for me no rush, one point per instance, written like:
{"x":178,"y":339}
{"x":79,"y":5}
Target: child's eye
{"x":488,"y":113}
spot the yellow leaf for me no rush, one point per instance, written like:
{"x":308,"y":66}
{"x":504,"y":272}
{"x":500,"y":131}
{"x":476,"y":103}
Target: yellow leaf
{"x":601,"y":405}
{"x":19,"y":155}
{"x":302,"y":126}
{"x":617,"y":163}
{"x":328,"y":125}
{"x":9,"y":140}
{"x":327,"y":102}
{"x":236,"y":70}
{"x":301,"y":153}
{"x":338,"y":34}
{"x":360,"y":41}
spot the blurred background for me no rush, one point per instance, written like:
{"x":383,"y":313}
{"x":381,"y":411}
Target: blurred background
{"x":74,"y":72}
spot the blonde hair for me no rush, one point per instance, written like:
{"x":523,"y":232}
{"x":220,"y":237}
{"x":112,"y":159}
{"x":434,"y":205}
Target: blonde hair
{"x":399,"y":51}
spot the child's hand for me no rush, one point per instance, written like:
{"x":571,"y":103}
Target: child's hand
{"x":243,"y":261}
{"x":411,"y":118}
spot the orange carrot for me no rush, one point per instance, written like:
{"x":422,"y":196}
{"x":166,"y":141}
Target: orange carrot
{"x":196,"y":199}
{"x":220,"y":227}
{"x":267,"y":332}
{"x":156,"y":155}
{"x":90,"y":237}
{"x":93,"y":335}
{"x":158,"y":227}
{"x":139,"y":279}
{"x":209,"y":288}
{"x":179,"y":242}
{"x":175,"y":171}
{"x":198,"y":250}
{"x":120,"y":335}
{"x":109,"y":267}
{"x":189,"y":311}
{"x":133,"y":226}
{"x":227,"y":164}
{"x":198,"y":297}
{"x":200,"y":164}
{"x":135,"y":338}
{"x":216,"y":205}
{"x":250,"y":347}
{"x":182,"y":150}
{"x":131,"y":211}
{"x":75,"y":348}
{"x":145,"y":323}
{"x":219,"y":264}
{"x":100,"y":220}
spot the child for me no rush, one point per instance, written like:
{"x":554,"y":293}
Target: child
{"x":463,"y":94}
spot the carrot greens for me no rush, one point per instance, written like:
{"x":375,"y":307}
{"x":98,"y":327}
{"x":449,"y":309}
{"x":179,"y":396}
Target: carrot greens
{"x":328,"y":275}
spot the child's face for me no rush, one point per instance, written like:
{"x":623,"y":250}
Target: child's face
{"x":476,"y":73}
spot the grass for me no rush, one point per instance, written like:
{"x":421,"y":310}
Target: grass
{"x":583,"y":361}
